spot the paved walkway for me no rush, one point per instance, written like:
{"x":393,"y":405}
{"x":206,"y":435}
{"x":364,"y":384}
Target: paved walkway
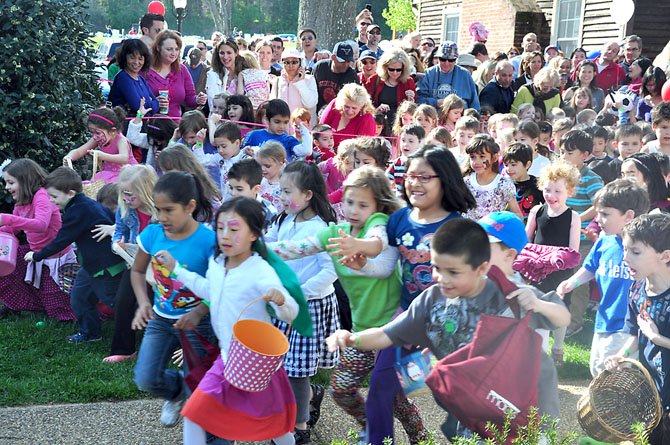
{"x":136,"y":422}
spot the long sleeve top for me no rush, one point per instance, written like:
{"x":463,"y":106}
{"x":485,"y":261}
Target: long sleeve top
{"x":40,"y":221}
{"x":126,"y":92}
{"x":436,"y":85}
{"x":361,"y":125}
{"x":180,"y":87}
{"x":300,"y":94}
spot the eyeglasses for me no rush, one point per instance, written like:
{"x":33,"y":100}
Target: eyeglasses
{"x":374,"y":33}
{"x":306,"y":38}
{"x":428,"y":44}
{"x":291,"y":62}
{"x":513,"y":53}
{"x":368,"y":62}
{"x":444,"y":59}
{"x":202,"y":49}
{"x":423,"y":179}
{"x":395,"y":70}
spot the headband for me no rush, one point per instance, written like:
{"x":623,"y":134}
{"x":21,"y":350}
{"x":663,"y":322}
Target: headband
{"x":103,"y":118}
{"x":640,"y":166}
{"x":153,"y":127}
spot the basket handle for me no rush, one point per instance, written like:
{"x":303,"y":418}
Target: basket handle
{"x":639,"y":366}
{"x":254,"y":301}
{"x":95,"y":165}
{"x":68,"y":160}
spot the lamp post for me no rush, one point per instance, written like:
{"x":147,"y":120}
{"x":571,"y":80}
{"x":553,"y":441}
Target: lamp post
{"x":179,"y":12}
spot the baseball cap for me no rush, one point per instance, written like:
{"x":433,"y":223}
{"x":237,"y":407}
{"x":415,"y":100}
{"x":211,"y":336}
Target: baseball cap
{"x":368,"y":54}
{"x":467,"y":60}
{"x":554,"y":47}
{"x":290,"y":54}
{"x":447,"y":50}
{"x":343,"y":52}
{"x":506,"y":228}
{"x":373,"y":26}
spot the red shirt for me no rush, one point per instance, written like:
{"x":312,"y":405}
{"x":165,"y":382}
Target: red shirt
{"x":361,"y":125}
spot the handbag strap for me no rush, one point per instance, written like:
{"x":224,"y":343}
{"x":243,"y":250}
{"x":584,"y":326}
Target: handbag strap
{"x":506,"y":287}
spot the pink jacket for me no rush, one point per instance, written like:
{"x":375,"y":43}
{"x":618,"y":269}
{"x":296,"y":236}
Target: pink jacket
{"x":40,"y":220}
{"x":536,"y":261}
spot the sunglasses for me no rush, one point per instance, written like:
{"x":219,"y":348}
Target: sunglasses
{"x":364,"y":24}
{"x":444,"y":59}
{"x":368,"y":62}
{"x":306,"y":38}
{"x":513,"y":54}
{"x":428,"y":44}
{"x":374,"y":33}
{"x":291,"y":62}
{"x":395,"y":70}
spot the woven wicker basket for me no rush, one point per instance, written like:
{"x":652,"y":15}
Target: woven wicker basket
{"x":92,"y":187}
{"x":618,"y":399}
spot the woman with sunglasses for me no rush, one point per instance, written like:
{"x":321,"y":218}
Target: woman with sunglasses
{"x":294,"y":86}
{"x":308,"y":46}
{"x":392,"y":84}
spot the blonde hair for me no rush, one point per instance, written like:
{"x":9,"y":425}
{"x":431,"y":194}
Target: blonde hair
{"x":441,"y":135}
{"x":250,"y":60}
{"x":140,"y":179}
{"x":484,"y":72}
{"x":394,"y":55}
{"x":559,"y":170}
{"x":302,"y":114}
{"x":357,"y":94}
{"x":547,"y":74}
{"x":272,"y":150}
{"x":404,"y":108}
{"x":375,"y":180}
{"x":344,"y":151}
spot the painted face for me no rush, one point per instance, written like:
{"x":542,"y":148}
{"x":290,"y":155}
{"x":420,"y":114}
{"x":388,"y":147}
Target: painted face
{"x":629,"y":170}
{"x":134,"y":62}
{"x":278,"y":124}
{"x":219,"y":106}
{"x":361,"y":159}
{"x":556,"y":194}
{"x":463,"y":137}
{"x":611,"y":220}
{"x":12,"y":186}
{"x":423,"y":187}
{"x":628,"y":146}
{"x":516,"y":170}
{"x":641,"y":258}
{"x":481,"y":162}
{"x":455,"y":277}
{"x":586,"y":75}
{"x":169,"y":51}
{"x":234,"y":237}
{"x":358,"y":204}
{"x":172,"y":216}
{"x":294,"y":199}
{"x":235,"y":112}
{"x":242,"y":188}
{"x":271,"y":168}
{"x":227,"y":56}
{"x":408,"y":143}
{"x":101,"y":136}
{"x":350,"y":109}
{"x":454,"y":114}
{"x":226,"y":148}
{"x":325,"y":140}
{"x":129,"y":196}
{"x":426,"y":123}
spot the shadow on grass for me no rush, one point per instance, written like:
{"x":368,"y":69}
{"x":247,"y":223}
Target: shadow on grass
{"x":39,"y":367}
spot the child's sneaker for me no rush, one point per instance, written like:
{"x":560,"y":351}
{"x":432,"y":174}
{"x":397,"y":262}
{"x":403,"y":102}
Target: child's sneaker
{"x":318,"y":392}
{"x":82,"y":338}
{"x":302,"y":437}
{"x":171,"y":411}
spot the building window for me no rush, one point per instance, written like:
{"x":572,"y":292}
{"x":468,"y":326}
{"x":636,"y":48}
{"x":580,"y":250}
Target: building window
{"x":567,"y":24}
{"x":450,"y":26}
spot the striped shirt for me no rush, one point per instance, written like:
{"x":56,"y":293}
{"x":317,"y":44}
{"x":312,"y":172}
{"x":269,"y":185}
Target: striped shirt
{"x":396,"y":174}
{"x":589,"y":184}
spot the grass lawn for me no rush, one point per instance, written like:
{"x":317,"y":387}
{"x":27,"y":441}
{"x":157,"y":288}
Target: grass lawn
{"x":40,"y":367}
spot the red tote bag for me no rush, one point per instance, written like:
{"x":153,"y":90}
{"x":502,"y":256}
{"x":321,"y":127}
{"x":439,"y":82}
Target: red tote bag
{"x":497,"y":372}
{"x":197,"y":366}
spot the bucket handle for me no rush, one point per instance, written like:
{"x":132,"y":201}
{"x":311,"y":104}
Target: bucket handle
{"x":254,"y":301}
{"x":95,"y":163}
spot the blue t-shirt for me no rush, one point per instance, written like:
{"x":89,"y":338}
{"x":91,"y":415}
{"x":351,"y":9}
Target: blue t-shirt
{"x":655,"y":358}
{"x":605,"y":260}
{"x":413,"y":242}
{"x":259,"y":137}
{"x":171,"y":298}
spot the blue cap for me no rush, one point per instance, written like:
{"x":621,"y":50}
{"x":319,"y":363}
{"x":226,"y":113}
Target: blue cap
{"x":506,"y":228}
{"x":368,"y":54}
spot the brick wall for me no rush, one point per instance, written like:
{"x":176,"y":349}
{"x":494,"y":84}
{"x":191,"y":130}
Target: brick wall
{"x":497,"y":15}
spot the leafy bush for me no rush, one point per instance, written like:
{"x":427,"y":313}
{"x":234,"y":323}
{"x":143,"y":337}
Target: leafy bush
{"x":46,"y":79}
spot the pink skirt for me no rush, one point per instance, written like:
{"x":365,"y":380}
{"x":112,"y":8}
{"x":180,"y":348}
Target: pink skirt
{"x":233,"y":414}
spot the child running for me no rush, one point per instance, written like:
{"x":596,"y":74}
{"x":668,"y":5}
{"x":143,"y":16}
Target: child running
{"x":33,"y":288}
{"x":180,"y":202}
{"x":492,"y":191}
{"x":306,"y":212}
{"x":108,"y":143}
{"x":240,"y":283}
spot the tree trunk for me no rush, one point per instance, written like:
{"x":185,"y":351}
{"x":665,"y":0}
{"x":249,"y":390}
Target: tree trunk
{"x":222,"y":11}
{"x":333,"y":21}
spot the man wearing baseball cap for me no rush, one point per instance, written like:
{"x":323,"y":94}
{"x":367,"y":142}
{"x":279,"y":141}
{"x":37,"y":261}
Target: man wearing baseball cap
{"x":331,"y":75}
{"x":374,"y":37}
{"x":446,"y":78}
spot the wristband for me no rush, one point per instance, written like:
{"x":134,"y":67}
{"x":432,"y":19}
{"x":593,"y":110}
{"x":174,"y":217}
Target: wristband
{"x":358,"y":341}
{"x":205,"y":302}
{"x":140,"y":115}
{"x":575,"y":283}
{"x":199,"y":144}
{"x":626,"y":353}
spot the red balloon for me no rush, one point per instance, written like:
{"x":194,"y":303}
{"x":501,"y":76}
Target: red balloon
{"x":665,"y":91}
{"x":156,"y":7}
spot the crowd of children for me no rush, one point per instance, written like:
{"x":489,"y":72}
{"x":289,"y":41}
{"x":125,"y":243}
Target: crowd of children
{"x":359,"y":251}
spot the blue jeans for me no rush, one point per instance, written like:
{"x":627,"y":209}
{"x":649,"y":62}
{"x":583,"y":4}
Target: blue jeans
{"x":160,"y":340}
{"x":86,"y":292}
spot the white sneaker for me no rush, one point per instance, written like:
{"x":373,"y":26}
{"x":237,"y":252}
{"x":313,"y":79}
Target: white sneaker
{"x":171,"y":411}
